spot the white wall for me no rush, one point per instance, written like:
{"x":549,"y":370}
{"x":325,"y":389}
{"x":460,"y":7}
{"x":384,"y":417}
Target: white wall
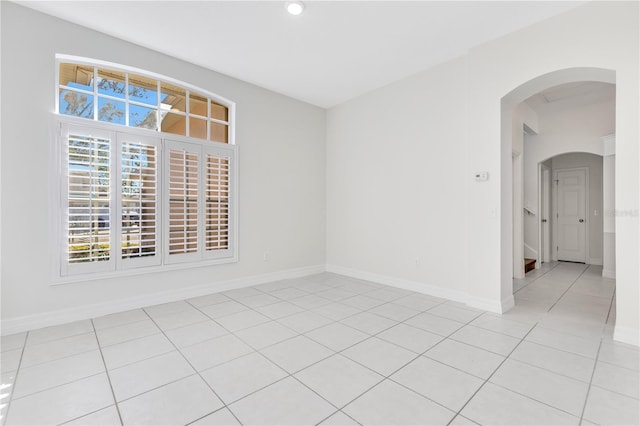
{"x":593,"y":163}
{"x":281,"y":163}
{"x":396,"y":181}
{"x":563,"y":129}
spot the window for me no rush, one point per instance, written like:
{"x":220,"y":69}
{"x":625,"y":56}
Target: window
{"x":147,"y":172}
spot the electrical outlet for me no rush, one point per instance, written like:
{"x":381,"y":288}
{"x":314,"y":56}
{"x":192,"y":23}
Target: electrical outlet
{"x":417,"y":262}
{"x":265,"y":256}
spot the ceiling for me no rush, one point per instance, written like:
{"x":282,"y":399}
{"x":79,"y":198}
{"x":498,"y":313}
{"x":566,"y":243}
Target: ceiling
{"x":334,"y":51}
{"x":572,"y":94}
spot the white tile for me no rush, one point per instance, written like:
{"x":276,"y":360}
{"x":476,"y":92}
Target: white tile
{"x":419,"y":302}
{"x":391,"y":404}
{"x":168,"y":308}
{"x":10,"y":360}
{"x":6,"y":387}
{"x":388,"y":294}
{"x":297,"y":353}
{"x":223,"y":309}
{"x":209,"y":299}
{"x":56,"y":349}
{"x":258,"y":300}
{"x":13,"y":341}
{"x":489,"y":340}
{"x":464,"y":357}
{"x":120,"y":318}
{"x":608,"y":408}
{"x":339,"y":419}
{"x":180,"y":402}
{"x":242,"y":292}
{"x":336,"y":311}
{"x":62,"y":403}
{"x":617,"y":379}
{"x":438,"y":382}
{"x":213,"y":352}
{"x":565,"y":342}
{"x":179,"y":319}
{"x":337,"y":336}
{"x":454,"y":312}
{"x":286,"y":402}
{"x":59,"y":331}
{"x":274,"y":286}
{"x":379,"y":355}
{"x":435,"y":324}
{"x":134,"y":379}
{"x":335,"y":294}
{"x":495,"y":405}
{"x":266,"y":334}
{"x":363,"y":302}
{"x":304,"y":321}
{"x":338,"y":379}
{"x":195,"y":333}
{"x":394,"y":312}
{"x":116,"y":356}
{"x":310,"y":301}
{"x":620,"y":354}
{"x":105,"y":417}
{"x":561,"y":362}
{"x":58,"y":372}
{"x":242,"y":320}
{"x":550,"y":388}
{"x":122,"y":333}
{"x":369,"y":323}
{"x":502,"y":325}
{"x":411,"y":338}
{"x":289,"y":293}
{"x":222,"y":417}
{"x":242,"y":376}
{"x":461,"y":421}
{"x":279,"y":310}
{"x":580,"y":328}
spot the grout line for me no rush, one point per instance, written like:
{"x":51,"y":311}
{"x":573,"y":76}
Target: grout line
{"x":586,"y":398}
{"x":568,"y":288}
{"x":537,"y":278}
{"x":106,"y":370}
{"x":613,"y":299}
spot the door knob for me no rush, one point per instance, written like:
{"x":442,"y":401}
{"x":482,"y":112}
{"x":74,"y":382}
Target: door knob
{"x":544,"y":220}
{"x":581,"y":220}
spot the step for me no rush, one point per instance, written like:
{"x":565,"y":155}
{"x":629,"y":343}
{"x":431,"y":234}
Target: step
{"x":529,"y":265}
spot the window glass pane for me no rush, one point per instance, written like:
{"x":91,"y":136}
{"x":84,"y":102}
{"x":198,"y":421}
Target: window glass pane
{"x":111,"y":111}
{"x":88,"y":222}
{"x":173,"y":123}
{"x":183,"y":202}
{"x":143,"y":90}
{"x":197,"y":104}
{"x":139,"y":198}
{"x":143,"y":117}
{"x":197,"y":128}
{"x":111,"y":83}
{"x":77,"y":76}
{"x":76,"y":104}
{"x":173,"y":98}
{"x":219,"y":112}
{"x":219,"y":132}
{"x":217,"y":203}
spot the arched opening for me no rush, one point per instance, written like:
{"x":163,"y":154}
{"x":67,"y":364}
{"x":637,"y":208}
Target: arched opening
{"x":513,"y":205}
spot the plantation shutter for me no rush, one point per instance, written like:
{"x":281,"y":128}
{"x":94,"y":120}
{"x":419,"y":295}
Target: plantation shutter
{"x":217,"y":205}
{"x":88,"y":200}
{"x":139,"y":201}
{"x":183,"y":190}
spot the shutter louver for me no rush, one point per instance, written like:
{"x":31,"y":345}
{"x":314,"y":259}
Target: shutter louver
{"x":183,"y":201}
{"x":139,"y":199}
{"x":217,"y":203}
{"x":89,"y":207}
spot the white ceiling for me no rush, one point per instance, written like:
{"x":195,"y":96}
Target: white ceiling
{"x":572,"y":94}
{"x":334,"y":51}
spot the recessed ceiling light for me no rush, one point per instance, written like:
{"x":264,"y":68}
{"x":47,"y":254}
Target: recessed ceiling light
{"x":295,"y":7}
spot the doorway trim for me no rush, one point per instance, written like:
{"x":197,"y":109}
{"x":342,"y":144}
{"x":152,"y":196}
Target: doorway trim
{"x":554,"y":211}
{"x":544,"y":208}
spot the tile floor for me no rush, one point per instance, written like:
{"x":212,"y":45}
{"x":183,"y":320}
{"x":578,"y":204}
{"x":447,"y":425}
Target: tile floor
{"x":332,"y":350}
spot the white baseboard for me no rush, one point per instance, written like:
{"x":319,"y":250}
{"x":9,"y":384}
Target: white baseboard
{"x":627,"y":335}
{"x":595,"y":261}
{"x":428,"y":289}
{"x":46,"y":319}
{"x":609,"y":273}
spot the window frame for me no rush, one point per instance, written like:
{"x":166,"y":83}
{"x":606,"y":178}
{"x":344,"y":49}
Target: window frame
{"x":58,"y":183}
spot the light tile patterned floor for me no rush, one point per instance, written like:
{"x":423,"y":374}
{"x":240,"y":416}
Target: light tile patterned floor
{"x":333,"y":350}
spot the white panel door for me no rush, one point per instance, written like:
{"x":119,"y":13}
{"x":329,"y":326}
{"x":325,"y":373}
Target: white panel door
{"x":571,"y":219}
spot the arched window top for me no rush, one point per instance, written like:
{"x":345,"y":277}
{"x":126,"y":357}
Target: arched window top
{"x":131,"y":97}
